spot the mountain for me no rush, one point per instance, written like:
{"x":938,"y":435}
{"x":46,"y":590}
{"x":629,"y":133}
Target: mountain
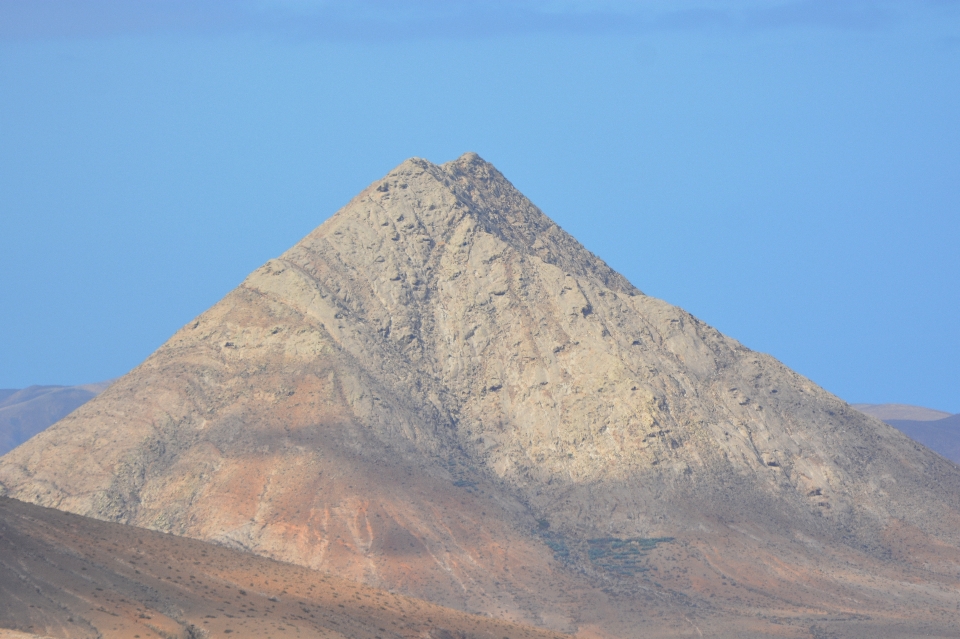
{"x":63,"y":575}
{"x":26,"y":412}
{"x":440,"y":392}
{"x":888,"y":412}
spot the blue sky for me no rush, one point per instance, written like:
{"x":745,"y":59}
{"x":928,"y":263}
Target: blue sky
{"x":787,"y":171}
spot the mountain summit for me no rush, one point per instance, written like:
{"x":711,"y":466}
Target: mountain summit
{"x":440,"y":392}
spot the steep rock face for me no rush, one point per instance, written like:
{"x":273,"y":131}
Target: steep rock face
{"x":441,"y":392}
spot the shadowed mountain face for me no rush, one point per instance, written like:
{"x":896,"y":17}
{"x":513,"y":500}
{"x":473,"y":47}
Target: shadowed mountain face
{"x":439,"y":391}
{"x":26,"y":412}
{"x":67,"y":576}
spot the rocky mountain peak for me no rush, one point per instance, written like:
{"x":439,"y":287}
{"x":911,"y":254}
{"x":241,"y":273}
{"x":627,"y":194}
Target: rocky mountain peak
{"x":458,"y":198}
{"x":440,"y":391}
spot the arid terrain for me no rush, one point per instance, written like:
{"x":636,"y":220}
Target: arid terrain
{"x":63,"y":575}
{"x":440,"y":393}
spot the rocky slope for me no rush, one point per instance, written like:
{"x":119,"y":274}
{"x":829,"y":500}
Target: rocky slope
{"x":441,"y":392}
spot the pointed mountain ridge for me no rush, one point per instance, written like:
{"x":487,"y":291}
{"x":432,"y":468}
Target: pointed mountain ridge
{"x":441,"y":392}
{"x":481,"y":192}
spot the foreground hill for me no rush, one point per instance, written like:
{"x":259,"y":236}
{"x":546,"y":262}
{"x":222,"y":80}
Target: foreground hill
{"x":63,"y":575}
{"x":438,"y":391}
{"x":26,"y":412}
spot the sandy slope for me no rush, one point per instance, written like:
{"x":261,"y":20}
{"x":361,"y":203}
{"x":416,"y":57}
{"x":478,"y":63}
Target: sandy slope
{"x":62,"y":575}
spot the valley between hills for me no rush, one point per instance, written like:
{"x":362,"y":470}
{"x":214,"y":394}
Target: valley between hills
{"x":441,"y":395}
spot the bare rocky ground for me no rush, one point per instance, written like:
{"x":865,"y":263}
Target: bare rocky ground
{"x":440,"y":392}
{"x":63,"y":575}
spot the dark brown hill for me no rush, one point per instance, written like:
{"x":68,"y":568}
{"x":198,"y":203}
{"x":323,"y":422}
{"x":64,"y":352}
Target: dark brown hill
{"x":62,"y":575}
{"x":439,"y":391}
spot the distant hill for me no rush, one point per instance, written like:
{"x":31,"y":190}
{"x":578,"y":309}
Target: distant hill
{"x":935,"y":429}
{"x":27,"y":411}
{"x":941,"y":435}
{"x":67,"y":576}
{"x":886,"y":412}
